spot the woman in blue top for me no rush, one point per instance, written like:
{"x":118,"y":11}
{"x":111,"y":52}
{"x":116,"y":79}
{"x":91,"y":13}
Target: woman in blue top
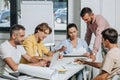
{"x":73,"y":44}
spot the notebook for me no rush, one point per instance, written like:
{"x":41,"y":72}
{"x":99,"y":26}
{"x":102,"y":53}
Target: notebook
{"x":73,"y":55}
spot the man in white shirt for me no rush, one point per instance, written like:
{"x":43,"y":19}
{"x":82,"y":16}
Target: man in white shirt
{"x":11,"y":51}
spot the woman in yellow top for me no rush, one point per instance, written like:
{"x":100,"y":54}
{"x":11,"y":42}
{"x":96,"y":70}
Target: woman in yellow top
{"x":33,"y":43}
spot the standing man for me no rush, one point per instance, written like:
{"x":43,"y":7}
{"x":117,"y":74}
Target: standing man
{"x":95,"y":24}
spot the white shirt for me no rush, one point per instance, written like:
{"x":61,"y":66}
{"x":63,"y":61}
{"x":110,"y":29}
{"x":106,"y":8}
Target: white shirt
{"x":7,"y":50}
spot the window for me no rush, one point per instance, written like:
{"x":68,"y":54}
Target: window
{"x":59,"y":12}
{"x":4,"y":15}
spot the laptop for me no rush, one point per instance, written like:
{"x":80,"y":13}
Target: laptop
{"x":54,"y":59}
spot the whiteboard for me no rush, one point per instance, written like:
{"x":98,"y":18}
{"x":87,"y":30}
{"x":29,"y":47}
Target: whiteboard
{"x":36,"y":12}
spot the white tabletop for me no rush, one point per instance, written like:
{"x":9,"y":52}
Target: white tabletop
{"x":68,"y":64}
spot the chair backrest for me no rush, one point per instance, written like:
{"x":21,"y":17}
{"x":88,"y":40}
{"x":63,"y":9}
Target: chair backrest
{"x":116,"y":77}
{"x":2,"y":64}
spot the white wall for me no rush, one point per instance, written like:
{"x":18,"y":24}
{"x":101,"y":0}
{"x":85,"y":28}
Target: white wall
{"x":3,"y":37}
{"x":74,"y":12}
{"x":110,"y":9}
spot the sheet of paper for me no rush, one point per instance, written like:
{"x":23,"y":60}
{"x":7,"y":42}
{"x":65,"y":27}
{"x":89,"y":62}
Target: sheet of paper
{"x":41,"y":72}
{"x":78,"y":52}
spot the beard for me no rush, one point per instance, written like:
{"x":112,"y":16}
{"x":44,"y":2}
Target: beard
{"x":17,"y":42}
{"x":91,"y":21}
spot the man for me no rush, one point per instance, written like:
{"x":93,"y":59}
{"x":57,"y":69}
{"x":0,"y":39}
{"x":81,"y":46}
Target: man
{"x":33,"y":43}
{"x":111,"y":64}
{"x":11,"y":51}
{"x":95,"y":24}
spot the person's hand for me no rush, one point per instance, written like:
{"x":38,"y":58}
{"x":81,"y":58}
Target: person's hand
{"x":47,"y":58}
{"x":60,"y":56}
{"x":62,"y":49}
{"x":93,"y":57}
{"x":79,"y":61}
{"x":90,"y":55}
{"x":35,"y":59}
{"x":87,"y":54}
{"x":43,"y":63}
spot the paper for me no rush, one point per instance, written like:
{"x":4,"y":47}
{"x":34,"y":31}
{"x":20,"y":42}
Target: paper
{"x":76,"y":53}
{"x":86,"y":59}
{"x":8,"y":77}
{"x":41,"y":72}
{"x":54,"y":59}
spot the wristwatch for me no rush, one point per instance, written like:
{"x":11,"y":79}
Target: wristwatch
{"x":93,"y":53}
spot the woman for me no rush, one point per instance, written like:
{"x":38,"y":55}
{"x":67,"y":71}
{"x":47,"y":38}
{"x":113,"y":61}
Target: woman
{"x":73,"y":44}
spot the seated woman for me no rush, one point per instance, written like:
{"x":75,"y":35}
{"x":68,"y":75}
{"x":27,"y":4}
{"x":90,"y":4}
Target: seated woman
{"x":33,"y":43}
{"x":73,"y":44}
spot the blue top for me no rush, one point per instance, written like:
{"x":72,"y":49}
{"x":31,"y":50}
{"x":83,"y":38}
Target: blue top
{"x":69,"y":48}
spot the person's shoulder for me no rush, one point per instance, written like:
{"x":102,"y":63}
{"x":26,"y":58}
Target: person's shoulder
{"x":99,"y":17}
{"x":114,"y":51}
{"x":80,"y":39}
{"x":20,"y":47}
{"x":65,"y":41}
{"x":29,"y":37}
{"x":5,"y":43}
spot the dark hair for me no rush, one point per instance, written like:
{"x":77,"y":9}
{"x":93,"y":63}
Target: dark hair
{"x":85,"y":10}
{"x":70,"y":26}
{"x":16,"y":27}
{"x":110,"y":34}
{"x":42,"y":27}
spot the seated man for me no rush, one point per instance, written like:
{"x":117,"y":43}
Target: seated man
{"x":33,"y":43}
{"x":11,"y":51}
{"x":111,"y":63}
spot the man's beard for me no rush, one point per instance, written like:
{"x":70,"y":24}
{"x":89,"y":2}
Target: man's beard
{"x":105,"y":50}
{"x":91,"y":21}
{"x":18,"y":42}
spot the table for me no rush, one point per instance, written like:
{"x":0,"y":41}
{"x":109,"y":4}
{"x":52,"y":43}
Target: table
{"x":64,"y":63}
{"x":71,"y":68}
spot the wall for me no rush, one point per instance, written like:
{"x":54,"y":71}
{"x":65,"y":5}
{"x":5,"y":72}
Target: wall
{"x":3,"y":37}
{"x":110,"y":9}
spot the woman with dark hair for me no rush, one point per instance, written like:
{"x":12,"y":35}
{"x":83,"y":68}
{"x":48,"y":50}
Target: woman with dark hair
{"x":73,"y":44}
